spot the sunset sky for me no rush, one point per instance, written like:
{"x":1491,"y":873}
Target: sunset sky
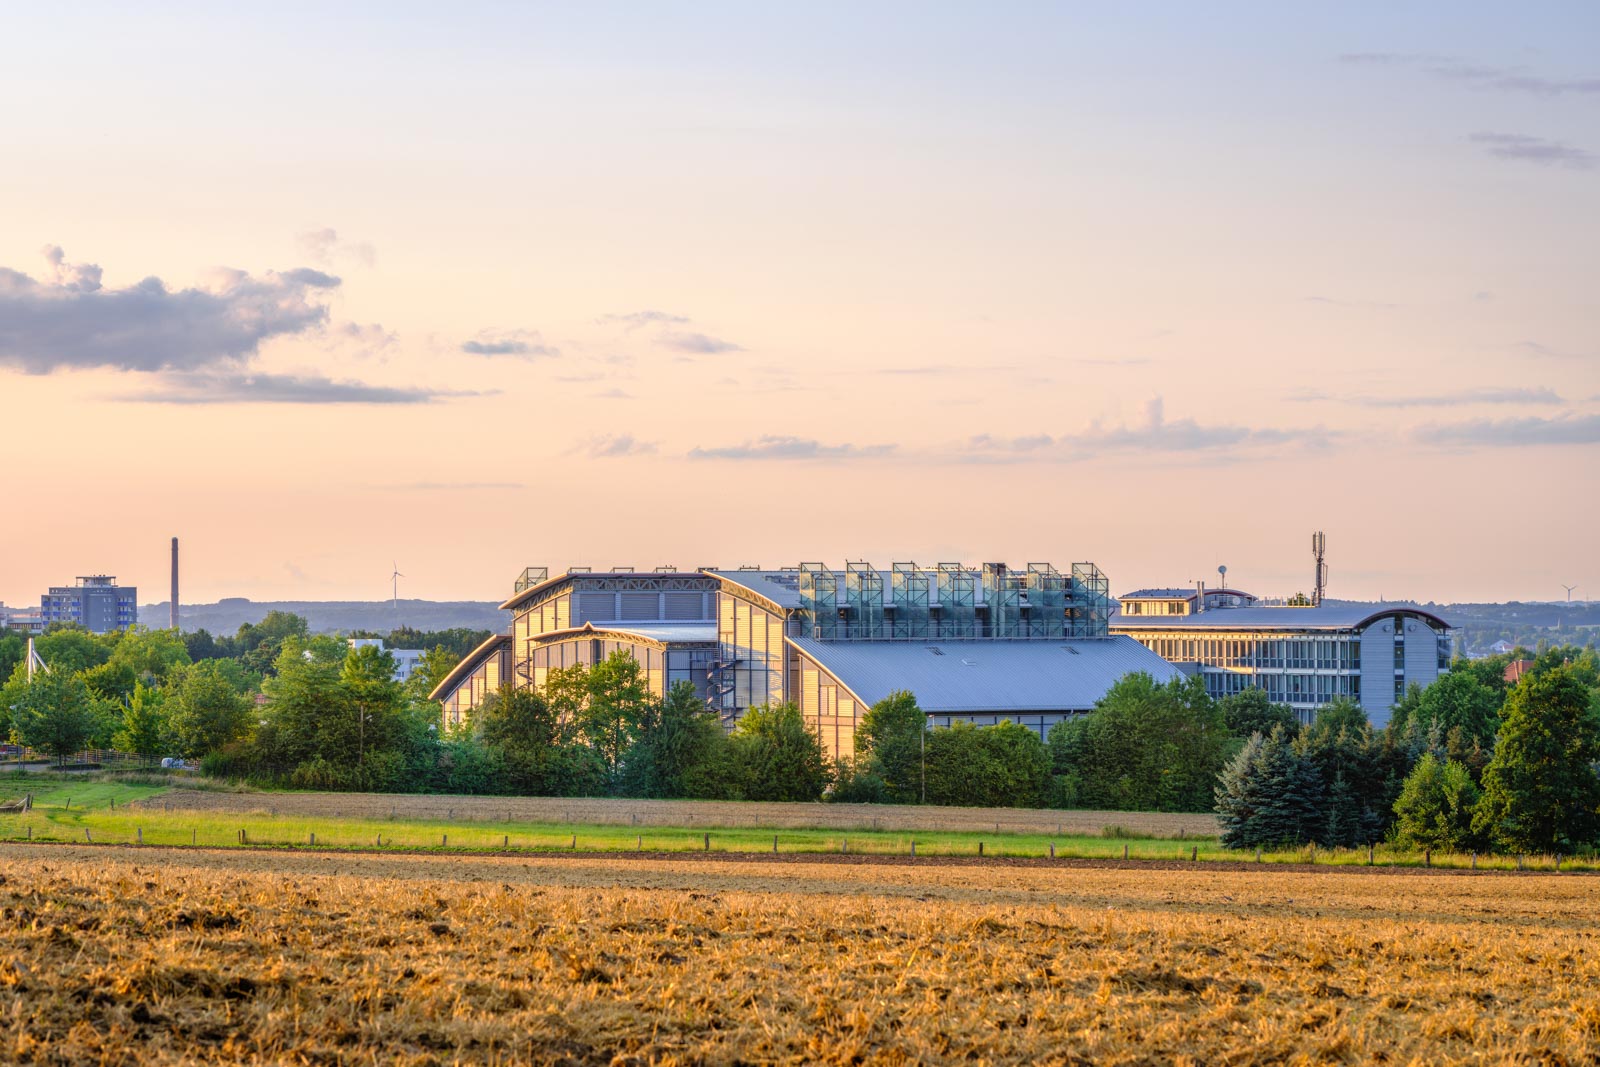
{"x":318,"y":288}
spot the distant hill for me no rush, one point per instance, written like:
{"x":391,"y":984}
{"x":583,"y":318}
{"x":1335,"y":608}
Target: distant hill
{"x":331,"y":616}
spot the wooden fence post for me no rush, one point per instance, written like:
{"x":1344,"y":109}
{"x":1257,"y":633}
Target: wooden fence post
{"x":1124,"y":851}
{"x":1427,"y":857}
{"x":313,"y":839}
{"x":708,"y":843}
{"x":1369,"y":853}
{"x":1474,"y":861}
{"x":1052,"y":850}
{"x":138,"y":832}
{"x":980,"y":848}
{"x":86,"y":836}
{"x":574,"y":845}
{"x":1258,"y":853}
{"x":1194,"y":854}
{"x":913,"y":846}
{"x":774,"y":844}
{"x":506,"y":843}
{"x":444,"y":840}
{"x":641,"y":843}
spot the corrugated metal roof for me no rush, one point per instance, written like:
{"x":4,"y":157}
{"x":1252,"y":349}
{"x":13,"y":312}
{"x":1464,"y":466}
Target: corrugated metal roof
{"x":764,"y":583}
{"x":1324,"y":617}
{"x":665,"y":632}
{"x":980,"y":676}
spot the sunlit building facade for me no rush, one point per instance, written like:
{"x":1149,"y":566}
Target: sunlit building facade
{"x":1302,"y":656}
{"x":982,"y":645}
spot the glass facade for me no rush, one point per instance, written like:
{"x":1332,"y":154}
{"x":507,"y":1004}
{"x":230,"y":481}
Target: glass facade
{"x":1309,"y":669}
{"x":951,"y":602}
{"x":749,"y":669}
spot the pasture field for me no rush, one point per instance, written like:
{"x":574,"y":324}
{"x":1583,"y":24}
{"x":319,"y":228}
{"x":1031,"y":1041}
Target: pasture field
{"x":166,"y":956}
{"x":104,"y":811}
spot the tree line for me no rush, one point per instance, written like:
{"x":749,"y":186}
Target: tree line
{"x":1471,"y":761}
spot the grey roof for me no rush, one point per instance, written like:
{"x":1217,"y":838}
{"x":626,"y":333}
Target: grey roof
{"x":769,"y":584}
{"x":1157,"y":594}
{"x":980,"y":676}
{"x":691,"y":633}
{"x":1324,"y":617}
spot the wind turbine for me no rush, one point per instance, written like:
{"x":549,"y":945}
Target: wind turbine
{"x":395,"y":578}
{"x":1569,"y":589}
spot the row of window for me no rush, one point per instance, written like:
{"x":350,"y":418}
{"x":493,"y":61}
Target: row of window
{"x":1274,"y":653}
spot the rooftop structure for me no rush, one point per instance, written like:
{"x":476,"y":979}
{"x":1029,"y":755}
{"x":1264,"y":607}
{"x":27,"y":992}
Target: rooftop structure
{"x":980,"y":643}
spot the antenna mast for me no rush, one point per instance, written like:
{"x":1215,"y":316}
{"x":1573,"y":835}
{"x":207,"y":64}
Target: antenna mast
{"x":1319,"y":545}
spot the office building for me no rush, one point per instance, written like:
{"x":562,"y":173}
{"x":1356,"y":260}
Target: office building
{"x":980,"y":645}
{"x":97,"y":603}
{"x":1304,"y":656}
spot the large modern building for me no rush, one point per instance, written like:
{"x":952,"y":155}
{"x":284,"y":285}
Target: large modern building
{"x":97,"y":603}
{"x":1303,"y":656}
{"x":982,"y":644}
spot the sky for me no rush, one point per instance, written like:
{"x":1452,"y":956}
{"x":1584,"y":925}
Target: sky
{"x":328,"y":289}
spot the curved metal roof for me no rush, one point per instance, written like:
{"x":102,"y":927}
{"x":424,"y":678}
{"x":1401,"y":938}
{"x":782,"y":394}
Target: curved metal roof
{"x":469,"y":663}
{"x":1325,"y":617}
{"x":655,"y":633}
{"x":987,"y":676}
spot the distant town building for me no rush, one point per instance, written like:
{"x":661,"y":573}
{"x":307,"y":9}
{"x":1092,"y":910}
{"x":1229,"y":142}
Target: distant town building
{"x":23,"y":620}
{"x":1516,"y":669}
{"x":97,"y":603}
{"x":1303,"y":656}
{"x":405,"y":659}
{"x":1500,"y":648}
{"x":979,"y":645}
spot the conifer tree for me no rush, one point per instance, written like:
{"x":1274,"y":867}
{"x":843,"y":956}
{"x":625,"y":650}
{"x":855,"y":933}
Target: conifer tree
{"x":1540,"y":790}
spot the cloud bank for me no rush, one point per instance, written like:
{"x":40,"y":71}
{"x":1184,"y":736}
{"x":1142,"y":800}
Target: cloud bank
{"x":1560,"y":430}
{"x":789,"y":448}
{"x":1537,"y":150}
{"x":524,"y":344}
{"x":71,"y":321}
{"x":207,"y":387}
{"x":1477,"y":75}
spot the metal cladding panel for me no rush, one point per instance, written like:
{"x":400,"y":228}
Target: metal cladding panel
{"x":594,"y":607}
{"x":1422,"y":653}
{"x":685,"y":607}
{"x":992,"y":675}
{"x":1377,"y":670}
{"x":641,"y":607}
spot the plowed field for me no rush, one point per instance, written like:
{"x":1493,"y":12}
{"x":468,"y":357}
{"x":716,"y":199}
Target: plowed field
{"x":157,"y":956}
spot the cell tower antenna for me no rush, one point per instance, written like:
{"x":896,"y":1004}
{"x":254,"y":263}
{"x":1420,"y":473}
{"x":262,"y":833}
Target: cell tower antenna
{"x":1319,"y":547}
{"x":1569,"y":589}
{"x":395,"y":578}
